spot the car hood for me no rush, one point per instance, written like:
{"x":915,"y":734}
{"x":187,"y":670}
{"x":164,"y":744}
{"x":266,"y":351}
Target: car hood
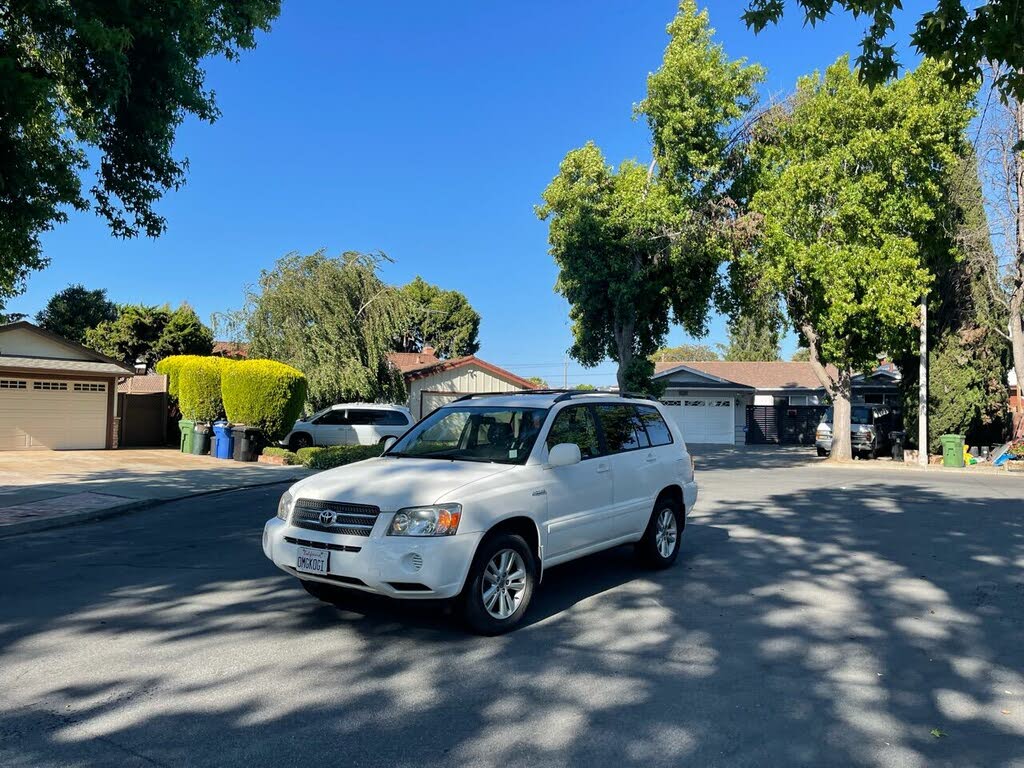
{"x":393,"y":483}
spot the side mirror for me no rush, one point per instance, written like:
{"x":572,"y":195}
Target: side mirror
{"x":564,"y":454}
{"x":388,"y":442}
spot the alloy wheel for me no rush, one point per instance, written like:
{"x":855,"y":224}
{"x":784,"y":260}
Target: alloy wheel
{"x":666,"y":533}
{"x":503,"y":584}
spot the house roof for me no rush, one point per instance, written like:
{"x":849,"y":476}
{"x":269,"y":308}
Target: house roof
{"x":761,"y":375}
{"x":230,"y":349}
{"x":406,"y":362}
{"x":95,"y":362}
{"x":424,"y":370}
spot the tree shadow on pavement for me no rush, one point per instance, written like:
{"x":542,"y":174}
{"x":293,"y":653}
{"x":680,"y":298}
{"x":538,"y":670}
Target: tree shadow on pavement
{"x":813,"y":626}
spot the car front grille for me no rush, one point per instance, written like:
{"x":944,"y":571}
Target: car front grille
{"x":334,"y":517}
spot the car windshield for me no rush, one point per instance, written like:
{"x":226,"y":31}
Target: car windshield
{"x":858,"y":415}
{"x":473,"y":433}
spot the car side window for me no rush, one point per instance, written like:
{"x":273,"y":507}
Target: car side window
{"x":333,"y":418}
{"x":389,"y":418}
{"x":575,"y":424}
{"x":623,"y":430}
{"x":655,"y":425}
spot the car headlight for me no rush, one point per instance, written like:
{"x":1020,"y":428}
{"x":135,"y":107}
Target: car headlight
{"x":439,"y":520}
{"x":284,"y":506}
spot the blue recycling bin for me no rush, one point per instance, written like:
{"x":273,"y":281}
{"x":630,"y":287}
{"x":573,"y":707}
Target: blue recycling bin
{"x":224,"y":442}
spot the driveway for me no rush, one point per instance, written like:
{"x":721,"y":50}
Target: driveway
{"x":41,"y":488}
{"x":817,"y":617}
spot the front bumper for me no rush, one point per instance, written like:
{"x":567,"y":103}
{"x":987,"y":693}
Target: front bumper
{"x":416,"y":568}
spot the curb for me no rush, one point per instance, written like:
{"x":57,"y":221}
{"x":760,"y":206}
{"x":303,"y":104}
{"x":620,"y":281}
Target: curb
{"x":92,"y":515}
{"x":935,"y":469}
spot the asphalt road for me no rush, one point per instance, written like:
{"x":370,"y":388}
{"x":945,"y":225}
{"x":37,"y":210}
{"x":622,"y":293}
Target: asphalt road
{"x":816,"y":617}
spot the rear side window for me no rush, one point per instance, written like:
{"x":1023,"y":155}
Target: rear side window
{"x":655,"y":425}
{"x":575,"y":425}
{"x":390,"y":418}
{"x":623,"y":430}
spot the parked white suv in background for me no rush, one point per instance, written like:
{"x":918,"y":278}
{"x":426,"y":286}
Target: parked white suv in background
{"x":485,"y":493}
{"x":349,"y":424}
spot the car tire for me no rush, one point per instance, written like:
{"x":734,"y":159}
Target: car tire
{"x":300,"y":441}
{"x":496,"y":597}
{"x":822,"y":452}
{"x":327,"y":593}
{"x":659,"y":547}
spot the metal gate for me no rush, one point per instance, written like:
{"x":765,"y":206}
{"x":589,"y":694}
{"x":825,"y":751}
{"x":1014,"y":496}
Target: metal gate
{"x":762,"y":424}
{"x":786,"y":424}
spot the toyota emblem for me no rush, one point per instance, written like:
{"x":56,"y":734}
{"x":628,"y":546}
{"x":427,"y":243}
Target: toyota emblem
{"x":327,"y":517}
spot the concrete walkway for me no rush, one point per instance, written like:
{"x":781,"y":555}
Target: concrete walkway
{"x":44,"y":489}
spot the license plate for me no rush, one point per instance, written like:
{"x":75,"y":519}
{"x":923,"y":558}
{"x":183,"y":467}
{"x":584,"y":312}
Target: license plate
{"x":312,"y":560}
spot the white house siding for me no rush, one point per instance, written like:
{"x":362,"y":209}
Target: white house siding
{"x":433,"y":391}
{"x":20,"y":342}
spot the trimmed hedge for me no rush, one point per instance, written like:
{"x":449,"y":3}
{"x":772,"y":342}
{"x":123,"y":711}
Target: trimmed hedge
{"x":263,"y":394}
{"x":289,"y":456}
{"x":172,"y":366}
{"x":199,"y":388}
{"x":332,"y":456}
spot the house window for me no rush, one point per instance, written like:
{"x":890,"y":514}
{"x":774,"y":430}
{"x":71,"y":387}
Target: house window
{"x":11,"y":384}
{"x":721,"y":404}
{"x":874,"y":399}
{"x":50,"y":386}
{"x":803,"y":399}
{"x":90,"y":387}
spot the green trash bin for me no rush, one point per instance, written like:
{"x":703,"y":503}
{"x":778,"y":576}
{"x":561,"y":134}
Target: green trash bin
{"x":187,"y":428}
{"x":952,"y":450}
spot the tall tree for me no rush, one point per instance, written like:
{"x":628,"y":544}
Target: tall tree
{"x":802,"y":355}
{"x":637,"y":246}
{"x":335,"y":320}
{"x":751,"y":340}
{"x":685,"y":353}
{"x":968,"y":351}
{"x":1001,"y":161}
{"x":442,"y":319}
{"x":73,"y":311}
{"x":540,"y":382}
{"x":853,"y":199}
{"x":963,"y":35}
{"x":148,"y":334}
{"x":109,"y":81}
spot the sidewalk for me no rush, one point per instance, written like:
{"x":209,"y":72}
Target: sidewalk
{"x":46,"y":489}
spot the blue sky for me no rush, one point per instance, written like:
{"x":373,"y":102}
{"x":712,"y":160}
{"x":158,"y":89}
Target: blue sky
{"x":424,"y":130}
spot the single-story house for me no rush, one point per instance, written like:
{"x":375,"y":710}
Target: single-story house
{"x":432,"y":382}
{"x":54,"y":393}
{"x":713,"y":400}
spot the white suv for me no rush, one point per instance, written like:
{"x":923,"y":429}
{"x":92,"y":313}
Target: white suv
{"x":349,"y":424}
{"x":485,"y":493}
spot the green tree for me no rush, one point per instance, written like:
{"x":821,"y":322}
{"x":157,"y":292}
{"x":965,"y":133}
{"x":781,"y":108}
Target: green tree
{"x":637,"y":245}
{"x":73,"y":311}
{"x":963,"y":35}
{"x":685,"y":353}
{"x":802,"y":355}
{"x":442,"y":319}
{"x":541,"y":383}
{"x":584,"y":387}
{"x":751,"y":340}
{"x":853,"y":199}
{"x":335,"y":320}
{"x":149,"y":333}
{"x":109,"y":82}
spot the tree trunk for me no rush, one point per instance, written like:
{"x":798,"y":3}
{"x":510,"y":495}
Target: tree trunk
{"x":624,"y":343}
{"x":839,"y":388}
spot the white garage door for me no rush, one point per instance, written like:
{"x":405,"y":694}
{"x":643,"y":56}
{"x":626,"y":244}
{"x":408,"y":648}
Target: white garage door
{"x":707,"y":420}
{"x":45,"y":413}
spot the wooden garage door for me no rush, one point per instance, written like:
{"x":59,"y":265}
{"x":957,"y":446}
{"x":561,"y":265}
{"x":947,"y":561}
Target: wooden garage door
{"x":54,"y":414}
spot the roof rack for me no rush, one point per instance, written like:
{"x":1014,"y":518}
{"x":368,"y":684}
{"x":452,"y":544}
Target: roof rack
{"x":562,"y":394}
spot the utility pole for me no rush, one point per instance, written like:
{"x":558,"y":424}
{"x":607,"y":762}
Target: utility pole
{"x":565,"y":372}
{"x":922,"y":389}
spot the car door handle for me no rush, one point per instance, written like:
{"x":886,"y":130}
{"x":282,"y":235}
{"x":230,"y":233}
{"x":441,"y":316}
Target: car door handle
{"x":651,"y":459}
{"x":603,"y":468}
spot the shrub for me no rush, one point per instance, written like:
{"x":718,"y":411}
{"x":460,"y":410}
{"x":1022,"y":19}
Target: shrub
{"x":199,"y":389}
{"x":289,"y":456}
{"x":337,"y":455}
{"x":1016,"y":449}
{"x":263,"y":394}
{"x":171,"y":367}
